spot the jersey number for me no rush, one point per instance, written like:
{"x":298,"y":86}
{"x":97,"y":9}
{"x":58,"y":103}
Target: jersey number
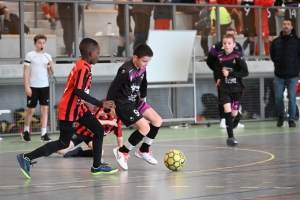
{"x":136,"y":112}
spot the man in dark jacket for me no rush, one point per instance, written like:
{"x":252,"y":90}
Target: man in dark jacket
{"x":213,"y":63}
{"x":285,"y":53}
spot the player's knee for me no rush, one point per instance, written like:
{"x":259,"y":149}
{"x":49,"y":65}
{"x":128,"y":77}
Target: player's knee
{"x":157,"y":122}
{"x":144,"y":130}
{"x":62,"y":144}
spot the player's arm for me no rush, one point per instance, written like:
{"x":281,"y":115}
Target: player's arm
{"x":243,"y":69}
{"x":240,"y":49}
{"x":80,"y":85}
{"x":143,"y":87}
{"x":211,"y":57}
{"x":114,"y":87}
{"x":108,"y":122}
{"x":27,"y":62}
{"x":50,"y":66}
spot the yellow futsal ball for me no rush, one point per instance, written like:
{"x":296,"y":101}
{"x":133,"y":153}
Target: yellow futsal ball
{"x":174,"y":160}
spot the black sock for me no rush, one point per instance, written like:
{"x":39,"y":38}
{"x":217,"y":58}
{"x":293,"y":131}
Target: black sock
{"x":236,"y":120}
{"x":135,"y":138}
{"x":97,"y":149}
{"x":152,"y":134}
{"x":251,"y":51}
{"x":120,"y":50}
{"x":6,"y":23}
{"x":246,"y":43}
{"x":46,"y":150}
{"x":229,"y":125}
{"x":86,"y":153}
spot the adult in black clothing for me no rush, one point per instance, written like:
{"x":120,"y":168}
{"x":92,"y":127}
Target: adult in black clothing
{"x":67,"y":19}
{"x":213,"y":63}
{"x":285,"y":53}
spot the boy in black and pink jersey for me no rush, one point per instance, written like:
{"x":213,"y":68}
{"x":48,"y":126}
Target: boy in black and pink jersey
{"x":128,"y":90}
{"x":72,"y":109}
{"x":110,"y":122}
{"x":232,"y":68}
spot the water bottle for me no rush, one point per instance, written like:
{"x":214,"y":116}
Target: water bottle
{"x":109,"y":28}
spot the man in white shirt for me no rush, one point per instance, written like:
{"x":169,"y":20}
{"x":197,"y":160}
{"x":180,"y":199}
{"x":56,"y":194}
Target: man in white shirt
{"x":38,"y":66}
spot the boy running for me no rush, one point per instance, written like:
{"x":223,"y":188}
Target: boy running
{"x":128,"y":90}
{"x":73,"y":109}
{"x":232,"y":68}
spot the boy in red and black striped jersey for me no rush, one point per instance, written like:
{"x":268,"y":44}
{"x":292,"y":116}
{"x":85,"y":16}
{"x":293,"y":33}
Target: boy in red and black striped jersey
{"x":110,"y":123}
{"x":231,"y":70}
{"x":73,"y":109}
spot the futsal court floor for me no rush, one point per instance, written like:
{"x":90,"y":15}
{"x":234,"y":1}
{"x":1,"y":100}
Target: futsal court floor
{"x":264,"y":166}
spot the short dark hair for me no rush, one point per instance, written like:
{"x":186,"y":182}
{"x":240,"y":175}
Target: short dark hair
{"x":230,"y":29}
{"x":87,"y":44}
{"x":288,"y":20}
{"x":229,"y":36}
{"x":142,"y":50}
{"x":39,"y":36}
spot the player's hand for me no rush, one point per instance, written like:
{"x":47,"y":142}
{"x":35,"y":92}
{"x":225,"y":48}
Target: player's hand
{"x":225,"y":72}
{"x":109,"y":104}
{"x":218,"y":83}
{"x":50,"y":64}
{"x":112,"y":123}
{"x":28,"y":91}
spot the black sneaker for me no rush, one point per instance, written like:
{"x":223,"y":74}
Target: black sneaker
{"x":280,"y":121}
{"x":26,"y":136}
{"x":73,"y":152}
{"x":232,"y":142}
{"x":292,"y":124}
{"x":45,"y":138}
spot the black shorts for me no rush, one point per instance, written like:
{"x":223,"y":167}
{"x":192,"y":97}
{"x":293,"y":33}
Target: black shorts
{"x":2,"y":10}
{"x":248,"y":21}
{"x":78,"y":138}
{"x":128,"y":114}
{"x":38,"y":94}
{"x":122,"y":26}
{"x":232,"y":98}
{"x":272,"y":22}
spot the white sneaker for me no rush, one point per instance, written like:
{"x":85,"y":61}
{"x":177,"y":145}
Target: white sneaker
{"x":223,"y":123}
{"x":146,"y":156}
{"x":0,"y":138}
{"x":240,"y":125}
{"x":121,"y":158}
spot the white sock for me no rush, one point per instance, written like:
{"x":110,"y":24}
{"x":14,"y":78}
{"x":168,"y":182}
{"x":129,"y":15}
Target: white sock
{"x":47,"y":16}
{"x":44,"y":131}
{"x":148,"y":140}
{"x":128,"y":145}
{"x":26,"y":128}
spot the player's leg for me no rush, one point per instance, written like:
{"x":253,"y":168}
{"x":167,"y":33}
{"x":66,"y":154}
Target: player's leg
{"x":31,"y":104}
{"x":4,"y":10}
{"x":91,"y":122}
{"x":279,"y":87}
{"x":43,"y":94}
{"x":64,"y":151}
{"x":66,"y":132}
{"x":155,"y":123}
{"x":129,"y":115}
{"x":227,"y":99}
{"x":235,"y":109}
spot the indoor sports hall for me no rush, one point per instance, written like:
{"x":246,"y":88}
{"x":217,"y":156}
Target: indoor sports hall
{"x":265,"y":164}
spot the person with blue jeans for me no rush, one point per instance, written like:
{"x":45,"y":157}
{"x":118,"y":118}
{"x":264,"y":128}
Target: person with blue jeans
{"x":285,"y":53}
